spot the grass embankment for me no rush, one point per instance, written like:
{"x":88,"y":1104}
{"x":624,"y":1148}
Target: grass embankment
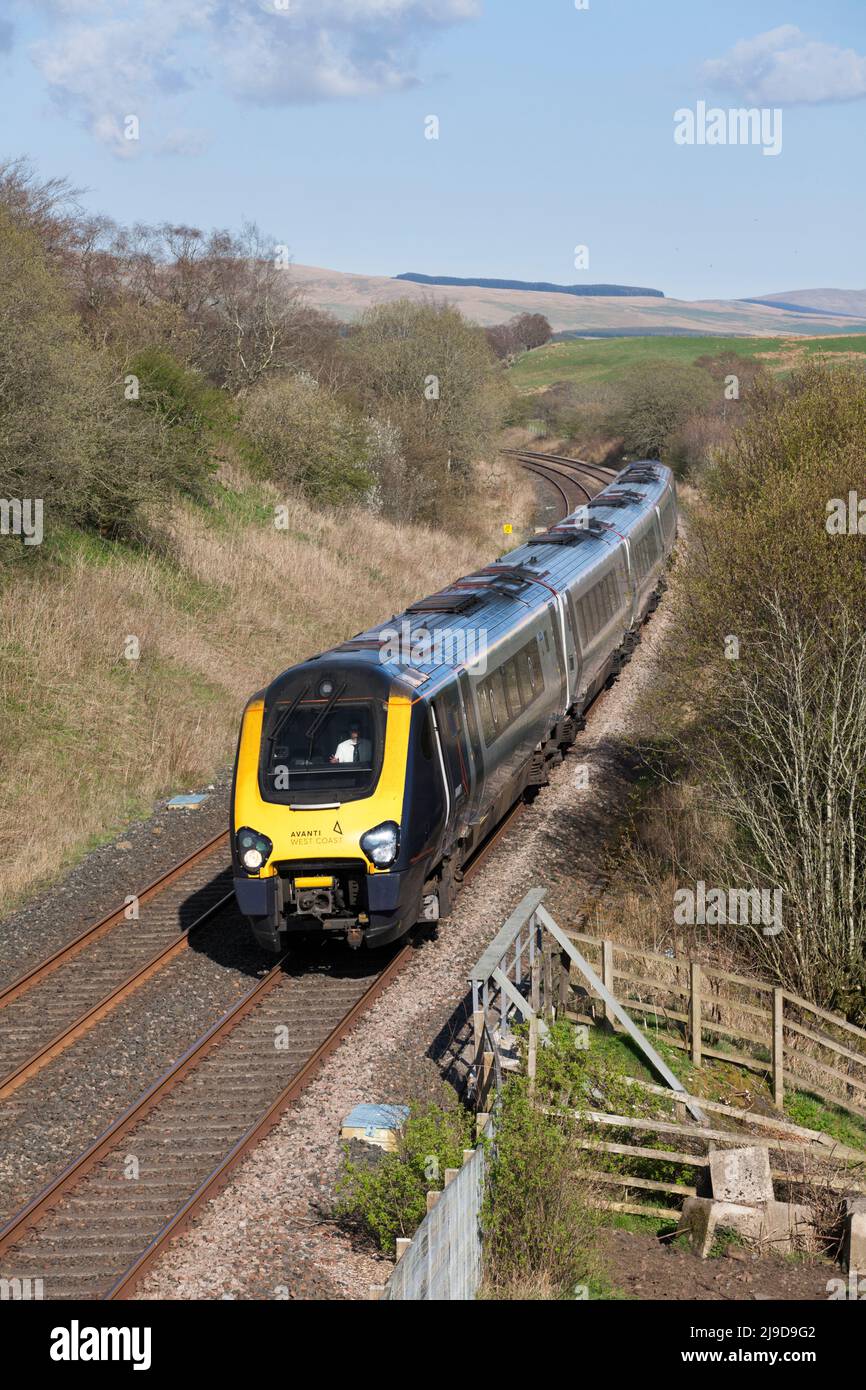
{"x":91,"y":738}
{"x":588,"y":361}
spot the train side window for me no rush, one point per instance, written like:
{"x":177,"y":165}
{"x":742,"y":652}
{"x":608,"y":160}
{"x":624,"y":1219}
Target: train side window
{"x":596,"y":617}
{"x":644,"y":556}
{"x":603,"y":601}
{"x":512,"y":688}
{"x":585,"y":625}
{"x":600,"y":607}
{"x":500,"y":707}
{"x":523,"y":682}
{"x":485,"y":705}
{"x":612,"y":594}
{"x":471,"y":723}
{"x":531,"y":674}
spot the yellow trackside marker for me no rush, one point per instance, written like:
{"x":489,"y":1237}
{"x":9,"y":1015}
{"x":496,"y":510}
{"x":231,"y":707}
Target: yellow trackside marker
{"x":507,"y":527}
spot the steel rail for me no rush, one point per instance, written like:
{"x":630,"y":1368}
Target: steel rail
{"x":92,"y":933}
{"x":48,"y":1196}
{"x":217,"y":1179}
{"x":603,"y":471}
{"x":58,"y":1044}
{"x":552,"y":473}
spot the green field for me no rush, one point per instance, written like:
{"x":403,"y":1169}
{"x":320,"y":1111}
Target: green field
{"x":588,"y":360}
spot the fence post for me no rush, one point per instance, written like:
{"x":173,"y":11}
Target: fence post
{"x":486,"y":1075}
{"x":695,"y":1014}
{"x":607,"y":978}
{"x":564,"y":980}
{"x":534,"y":966}
{"x":548,"y":979}
{"x":779,"y":1048}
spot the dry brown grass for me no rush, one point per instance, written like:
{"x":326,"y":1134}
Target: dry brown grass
{"x":89,"y":739}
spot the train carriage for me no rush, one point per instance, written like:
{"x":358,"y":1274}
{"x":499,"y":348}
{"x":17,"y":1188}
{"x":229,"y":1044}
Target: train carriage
{"x":366,"y":776}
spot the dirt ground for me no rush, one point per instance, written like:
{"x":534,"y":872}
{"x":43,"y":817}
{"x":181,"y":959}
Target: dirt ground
{"x":640,"y":1266}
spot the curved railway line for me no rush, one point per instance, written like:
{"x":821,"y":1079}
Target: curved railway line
{"x":576,"y":481}
{"x":95,"y":1228}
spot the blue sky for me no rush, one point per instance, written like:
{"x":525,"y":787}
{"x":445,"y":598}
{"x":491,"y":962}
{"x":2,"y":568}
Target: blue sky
{"x":556,"y":129}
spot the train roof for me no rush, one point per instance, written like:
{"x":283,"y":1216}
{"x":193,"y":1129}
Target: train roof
{"x":493,"y":600}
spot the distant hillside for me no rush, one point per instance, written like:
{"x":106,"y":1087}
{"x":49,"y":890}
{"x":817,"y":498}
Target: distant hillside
{"x":842,"y":303}
{"x":348,"y":294}
{"x":534,"y":286}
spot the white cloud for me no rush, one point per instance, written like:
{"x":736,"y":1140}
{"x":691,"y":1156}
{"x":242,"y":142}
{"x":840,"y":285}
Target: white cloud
{"x":784,"y":67}
{"x":103,"y":62}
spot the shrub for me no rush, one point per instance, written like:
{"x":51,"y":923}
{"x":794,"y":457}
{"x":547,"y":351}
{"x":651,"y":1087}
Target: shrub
{"x":389,"y":1199}
{"x":538,"y":1218}
{"x":774,"y":739}
{"x":309,"y":439}
{"x":655,"y":401}
{"x":68,"y":433}
{"x":429,"y":373}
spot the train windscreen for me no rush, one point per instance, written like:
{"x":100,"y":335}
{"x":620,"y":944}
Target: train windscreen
{"x":323,"y":750}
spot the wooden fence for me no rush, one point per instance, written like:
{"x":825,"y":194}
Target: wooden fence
{"x":533,"y":971}
{"x":710,"y":1012}
{"x":530,"y":973}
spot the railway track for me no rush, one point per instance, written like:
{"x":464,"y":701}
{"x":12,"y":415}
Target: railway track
{"x":576,"y":482}
{"x":97,"y":1226}
{"x":52,"y":1004}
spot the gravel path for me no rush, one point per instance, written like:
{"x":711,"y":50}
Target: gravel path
{"x":268,"y":1234}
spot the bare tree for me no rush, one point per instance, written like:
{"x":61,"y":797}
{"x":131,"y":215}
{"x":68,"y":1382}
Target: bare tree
{"x":790,"y":774}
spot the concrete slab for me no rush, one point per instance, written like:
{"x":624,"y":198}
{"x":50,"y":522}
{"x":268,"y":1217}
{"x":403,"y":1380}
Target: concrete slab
{"x":704,"y":1217}
{"x":788,"y":1226}
{"x":741,"y":1175}
{"x":854,"y":1248}
{"x":782,"y":1226}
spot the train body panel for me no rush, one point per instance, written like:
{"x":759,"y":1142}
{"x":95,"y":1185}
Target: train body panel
{"x":367,"y":775}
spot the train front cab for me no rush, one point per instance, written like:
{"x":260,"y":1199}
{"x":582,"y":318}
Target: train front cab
{"x":340,"y":853}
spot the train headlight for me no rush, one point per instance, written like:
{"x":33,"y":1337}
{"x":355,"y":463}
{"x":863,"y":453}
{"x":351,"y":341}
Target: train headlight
{"x":382,"y":843}
{"x":253,"y":849}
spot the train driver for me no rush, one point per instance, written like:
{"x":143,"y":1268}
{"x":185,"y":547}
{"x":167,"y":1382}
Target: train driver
{"x":353,"y":749}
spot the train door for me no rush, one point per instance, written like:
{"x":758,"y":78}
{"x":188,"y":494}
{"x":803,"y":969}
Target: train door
{"x":557,"y":623}
{"x":456,"y":758}
{"x":470,"y":724}
{"x":576,"y":671}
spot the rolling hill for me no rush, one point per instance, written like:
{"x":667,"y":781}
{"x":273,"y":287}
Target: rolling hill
{"x":347,"y":295}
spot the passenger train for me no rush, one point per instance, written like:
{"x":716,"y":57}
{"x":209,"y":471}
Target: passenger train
{"x":366,"y":776}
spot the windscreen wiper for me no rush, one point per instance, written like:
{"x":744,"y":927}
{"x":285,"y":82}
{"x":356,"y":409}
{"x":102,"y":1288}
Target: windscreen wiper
{"x":286,"y":715}
{"x":323,"y":714}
